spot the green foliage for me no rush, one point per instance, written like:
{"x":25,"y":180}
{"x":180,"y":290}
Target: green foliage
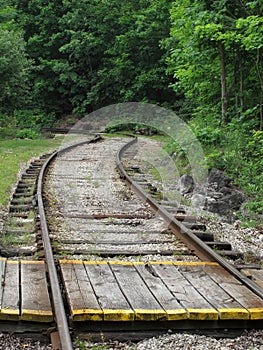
{"x":208,"y":135}
{"x":215,"y":53}
{"x":34,"y":118}
{"x":82,"y":345}
{"x":7,"y":15}
{"x":27,"y":134}
{"x":15,"y":68}
{"x":132,"y":128}
{"x":13,"y":153}
{"x":84,"y":63}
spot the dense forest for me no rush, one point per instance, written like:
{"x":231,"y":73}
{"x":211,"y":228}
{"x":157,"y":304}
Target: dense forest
{"x":202,"y":59}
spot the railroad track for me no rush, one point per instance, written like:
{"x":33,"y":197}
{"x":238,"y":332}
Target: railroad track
{"x":112,"y":262}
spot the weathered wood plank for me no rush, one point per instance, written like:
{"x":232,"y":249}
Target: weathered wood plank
{"x":237,"y":291}
{"x":228,"y":307}
{"x":255,"y":275}
{"x":173,"y":309}
{"x":137,"y":293}
{"x":115,"y":252}
{"x":115,"y":242}
{"x":81,"y":298}
{"x":10,"y":299}
{"x":111,"y":299}
{"x":2,"y":275}
{"x":197,"y":306}
{"x":35,"y":302}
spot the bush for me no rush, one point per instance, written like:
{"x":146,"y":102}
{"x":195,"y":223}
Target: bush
{"x":34,"y":118}
{"x":27,"y":134}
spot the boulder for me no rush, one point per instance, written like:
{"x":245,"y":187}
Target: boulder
{"x":198,"y":201}
{"x":185,"y":184}
{"x":217,"y":179}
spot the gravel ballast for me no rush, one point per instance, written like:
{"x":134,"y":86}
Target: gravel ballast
{"x":244,"y":239}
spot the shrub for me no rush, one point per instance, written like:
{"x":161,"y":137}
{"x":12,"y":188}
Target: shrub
{"x":27,"y":134}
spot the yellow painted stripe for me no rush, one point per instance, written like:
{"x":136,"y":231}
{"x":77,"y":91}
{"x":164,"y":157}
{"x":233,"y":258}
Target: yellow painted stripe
{"x":37,"y":315}
{"x":150,"y":315}
{"x":160,"y":263}
{"x":184,"y":263}
{"x":9,"y":314}
{"x":256,"y":313}
{"x":32,"y":262}
{"x":233,"y":314}
{"x":196,"y":263}
{"x":2,"y":259}
{"x":70,"y":261}
{"x":177,"y":314}
{"x":121,"y":263}
{"x":95,"y":262}
{"x":12,"y":262}
{"x":87,"y":315}
{"x":9,"y":311}
{"x":139,"y":263}
{"x":202,"y":314}
{"x":118,"y":315}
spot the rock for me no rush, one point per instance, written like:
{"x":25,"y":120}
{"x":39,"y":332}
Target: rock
{"x":225,"y":190}
{"x":217,"y":206}
{"x":225,"y":205}
{"x":234,"y":200}
{"x":218,"y":179}
{"x":185,"y":184}
{"x":198,"y":201}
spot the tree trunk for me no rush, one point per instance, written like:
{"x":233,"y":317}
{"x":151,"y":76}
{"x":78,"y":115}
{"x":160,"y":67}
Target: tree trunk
{"x":261,"y":87}
{"x":241,"y":87}
{"x":224,"y":97}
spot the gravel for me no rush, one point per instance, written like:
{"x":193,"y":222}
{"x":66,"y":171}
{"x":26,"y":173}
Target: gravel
{"x":243,"y":239}
{"x":248,"y":340}
{"x":8,"y":342}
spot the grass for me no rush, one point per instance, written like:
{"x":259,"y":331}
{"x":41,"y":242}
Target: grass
{"x":16,"y":153}
{"x":13,"y":239}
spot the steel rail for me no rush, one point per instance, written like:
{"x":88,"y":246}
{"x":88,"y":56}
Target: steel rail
{"x":203,"y":251}
{"x":58,"y":305}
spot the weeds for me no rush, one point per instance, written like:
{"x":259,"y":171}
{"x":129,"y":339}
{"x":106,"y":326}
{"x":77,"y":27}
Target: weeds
{"x":14,"y":154}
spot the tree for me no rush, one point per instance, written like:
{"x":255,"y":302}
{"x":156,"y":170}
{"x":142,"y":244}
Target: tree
{"x":209,"y":57}
{"x":40,"y":22}
{"x":92,"y":53}
{"x":14,"y":64}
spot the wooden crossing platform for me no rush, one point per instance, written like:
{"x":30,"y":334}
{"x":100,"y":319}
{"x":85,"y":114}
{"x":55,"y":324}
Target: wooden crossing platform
{"x":128,"y":292}
{"x":164,"y":291}
{"x":24,"y":291}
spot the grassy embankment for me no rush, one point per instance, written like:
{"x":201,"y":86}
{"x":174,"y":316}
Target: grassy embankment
{"x":16,"y":153}
{"x":239,"y":154}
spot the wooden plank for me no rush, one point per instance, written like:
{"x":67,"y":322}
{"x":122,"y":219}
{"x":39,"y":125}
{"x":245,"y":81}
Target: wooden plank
{"x":115,"y":242}
{"x":10,"y":299}
{"x":82,"y":301}
{"x":196,"y":305}
{"x":255,"y":275}
{"x":35,"y":302}
{"x":237,"y":291}
{"x":228,"y":307}
{"x":2,"y":276}
{"x":115,"y":252}
{"x":111,"y":299}
{"x":137,"y":293}
{"x":173,"y":309}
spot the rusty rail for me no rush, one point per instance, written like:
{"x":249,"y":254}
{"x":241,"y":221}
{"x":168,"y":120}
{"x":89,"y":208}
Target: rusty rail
{"x":203,"y":251}
{"x":65,"y":342}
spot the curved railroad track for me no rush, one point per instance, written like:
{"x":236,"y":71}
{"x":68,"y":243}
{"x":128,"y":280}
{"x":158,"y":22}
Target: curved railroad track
{"x":116,"y":256}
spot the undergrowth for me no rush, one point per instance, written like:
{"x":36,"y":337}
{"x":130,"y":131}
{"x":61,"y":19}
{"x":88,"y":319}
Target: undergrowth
{"x":15,"y":154}
{"x":237,"y":150}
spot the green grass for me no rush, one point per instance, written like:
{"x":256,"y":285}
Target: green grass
{"x":14,"y":154}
